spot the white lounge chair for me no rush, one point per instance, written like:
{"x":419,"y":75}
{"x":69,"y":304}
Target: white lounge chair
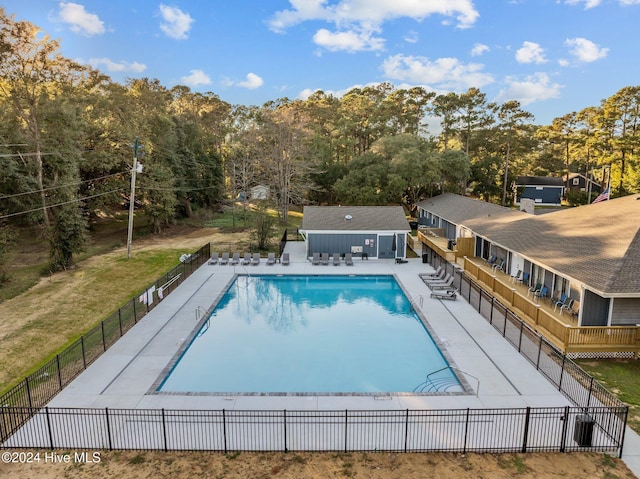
{"x":348,"y":259}
{"x":436,"y":274}
{"x":225,"y":258}
{"x":235,"y":259}
{"x":271,"y":259}
{"x":324,"y":259}
{"x":336,"y":259}
{"x":213,"y":259}
{"x":430,"y":282}
{"x":444,"y":294}
{"x":247,"y":259}
{"x":446,"y":285}
{"x":256,"y":259}
{"x":315,"y":259}
{"x":285,"y":259}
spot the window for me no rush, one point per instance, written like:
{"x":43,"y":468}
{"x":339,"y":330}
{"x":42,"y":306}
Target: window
{"x":576,"y":181}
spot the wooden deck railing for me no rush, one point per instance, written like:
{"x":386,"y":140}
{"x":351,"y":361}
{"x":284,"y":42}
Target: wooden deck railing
{"x":604,"y":338}
{"x":437,"y":244}
{"x":552,"y":325}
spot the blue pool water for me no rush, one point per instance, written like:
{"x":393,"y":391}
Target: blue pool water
{"x":311,"y":334}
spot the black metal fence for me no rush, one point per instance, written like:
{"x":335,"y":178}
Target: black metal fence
{"x":570,"y":379}
{"x":597,"y":424}
{"x":38,"y":388}
{"x":559,"y":429}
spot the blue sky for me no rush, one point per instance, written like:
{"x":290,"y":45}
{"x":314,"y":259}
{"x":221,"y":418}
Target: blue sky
{"x":554,"y":56}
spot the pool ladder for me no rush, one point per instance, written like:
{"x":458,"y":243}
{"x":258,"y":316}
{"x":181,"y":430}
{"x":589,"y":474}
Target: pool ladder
{"x":200,"y":313}
{"x":419,"y":299}
{"x":443,"y":384}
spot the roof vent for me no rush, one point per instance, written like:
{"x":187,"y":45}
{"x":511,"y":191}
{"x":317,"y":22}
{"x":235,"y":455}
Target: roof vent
{"x":348,"y":217}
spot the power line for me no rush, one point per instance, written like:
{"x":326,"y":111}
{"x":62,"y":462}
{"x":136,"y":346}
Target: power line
{"x":9,"y":155}
{"x":60,"y":186}
{"x":177,"y":188}
{"x":40,"y":208}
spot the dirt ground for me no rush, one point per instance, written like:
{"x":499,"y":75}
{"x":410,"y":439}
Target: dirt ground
{"x":134,"y":465}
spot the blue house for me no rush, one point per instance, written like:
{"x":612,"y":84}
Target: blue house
{"x":543,"y":190}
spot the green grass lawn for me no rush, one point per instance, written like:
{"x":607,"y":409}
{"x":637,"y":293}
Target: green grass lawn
{"x":622,"y":377}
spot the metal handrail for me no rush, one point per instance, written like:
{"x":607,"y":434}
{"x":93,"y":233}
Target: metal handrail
{"x":200,"y":312}
{"x":428,"y":380}
{"x":412,"y":302}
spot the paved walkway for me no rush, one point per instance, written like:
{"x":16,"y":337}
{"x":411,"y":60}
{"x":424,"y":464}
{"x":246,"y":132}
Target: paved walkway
{"x":124,"y":376}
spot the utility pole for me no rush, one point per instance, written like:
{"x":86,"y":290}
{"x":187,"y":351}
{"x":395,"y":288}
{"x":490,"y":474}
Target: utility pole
{"x":135,"y":169}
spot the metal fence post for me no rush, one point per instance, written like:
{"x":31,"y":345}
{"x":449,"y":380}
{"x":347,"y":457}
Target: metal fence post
{"x":46,"y":411}
{"x":120,"y":320}
{"x":84,"y":356}
{"x":520,"y":338}
{"x":164,"y":431}
{"x":504,"y":329}
{"x":563,"y":442}
{"x":561,"y":373}
{"x":224,"y":429}
{"x":539,"y":353}
{"x":346,"y":432}
{"x":525,"y":433}
{"x":104,"y":341}
{"x":624,"y":423}
{"x":106,"y":415}
{"x":493,"y":305}
{"x":480,"y":303}
{"x":590,"y":391}
{"x":135,"y":315}
{"x":26,"y":382}
{"x":285,"y":430}
{"x":59,"y":371}
{"x":466,"y":432}
{"x":406,"y":429}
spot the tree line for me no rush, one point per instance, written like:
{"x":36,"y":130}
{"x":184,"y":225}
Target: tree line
{"x":67,"y":134}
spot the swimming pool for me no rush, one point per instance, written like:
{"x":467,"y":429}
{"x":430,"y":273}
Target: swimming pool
{"x":311,"y":334}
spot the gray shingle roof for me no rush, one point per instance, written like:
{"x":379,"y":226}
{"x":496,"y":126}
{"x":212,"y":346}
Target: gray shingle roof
{"x":598,"y":244}
{"x":540,"y":181}
{"x":363,"y":218}
{"x":460,"y":209}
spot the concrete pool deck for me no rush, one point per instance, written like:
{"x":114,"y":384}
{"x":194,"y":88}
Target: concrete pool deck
{"x":123,"y":375}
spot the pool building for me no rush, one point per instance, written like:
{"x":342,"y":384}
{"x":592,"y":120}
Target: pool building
{"x":363,"y":231}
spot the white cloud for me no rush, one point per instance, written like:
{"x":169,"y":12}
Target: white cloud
{"x":595,"y":3}
{"x":196,"y":78}
{"x":533,"y":88}
{"x":111,"y":66}
{"x":443,"y":73}
{"x":357,"y":21}
{"x":80,"y":20}
{"x":350,"y":41}
{"x":479,"y":49}
{"x":585,"y":50}
{"x":587,"y":3}
{"x":411,"y":37}
{"x":252,"y":82}
{"x":530,"y":52}
{"x":372,"y":12}
{"x":176,"y":23}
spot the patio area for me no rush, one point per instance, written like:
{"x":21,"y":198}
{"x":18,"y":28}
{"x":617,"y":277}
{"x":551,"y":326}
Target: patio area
{"x":124,"y":375}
